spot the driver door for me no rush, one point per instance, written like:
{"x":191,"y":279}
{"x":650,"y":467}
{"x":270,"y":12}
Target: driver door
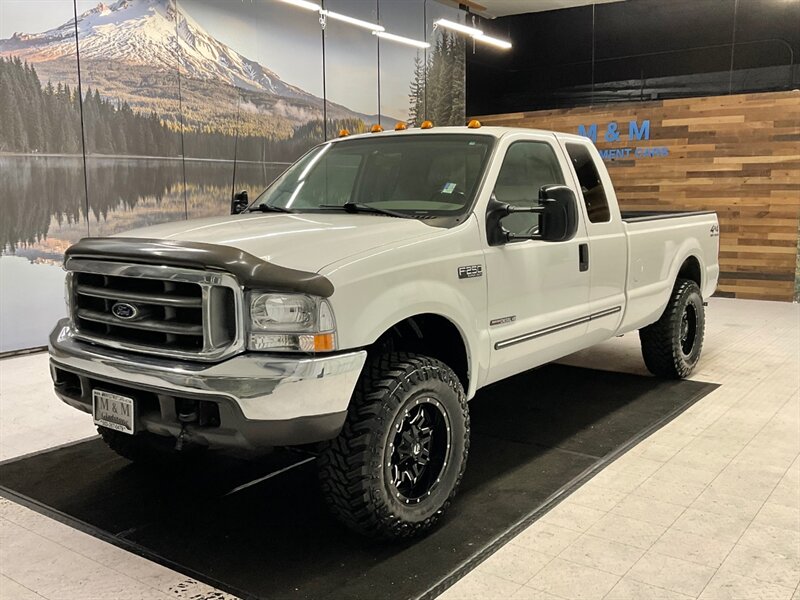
{"x":538,"y":294}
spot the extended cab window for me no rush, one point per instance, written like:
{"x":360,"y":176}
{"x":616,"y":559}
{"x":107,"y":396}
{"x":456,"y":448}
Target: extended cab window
{"x":527,"y":167}
{"x":594,"y":194}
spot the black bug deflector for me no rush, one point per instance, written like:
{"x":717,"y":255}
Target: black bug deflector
{"x":259,"y":528}
{"x":251,"y":271}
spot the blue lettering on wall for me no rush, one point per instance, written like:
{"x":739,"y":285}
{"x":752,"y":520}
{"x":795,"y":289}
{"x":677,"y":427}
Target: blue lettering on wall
{"x":612,"y":135}
{"x":614,"y":153}
{"x":591,"y":133}
{"x":651,"y":152}
{"x":639,"y":133}
{"x":636,"y":131}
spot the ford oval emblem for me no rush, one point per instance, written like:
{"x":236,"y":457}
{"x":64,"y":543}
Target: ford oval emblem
{"x":125,"y":311}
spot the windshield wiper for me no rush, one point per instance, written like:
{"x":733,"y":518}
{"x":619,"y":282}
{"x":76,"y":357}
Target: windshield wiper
{"x":269,"y":208}
{"x":356,"y":207}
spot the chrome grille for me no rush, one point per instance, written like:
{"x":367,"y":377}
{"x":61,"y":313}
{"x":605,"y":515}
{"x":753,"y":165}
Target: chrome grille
{"x":154,"y":309}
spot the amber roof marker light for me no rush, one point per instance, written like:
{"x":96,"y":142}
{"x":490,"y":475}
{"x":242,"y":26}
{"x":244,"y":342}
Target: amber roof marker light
{"x":426,"y":125}
{"x":343,"y":133}
{"x":400,"y":126}
{"x":376,"y":128}
{"x":474,"y":124}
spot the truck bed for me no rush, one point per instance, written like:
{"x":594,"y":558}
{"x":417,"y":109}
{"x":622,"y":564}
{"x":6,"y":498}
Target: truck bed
{"x":636,"y":216}
{"x":658,"y":244}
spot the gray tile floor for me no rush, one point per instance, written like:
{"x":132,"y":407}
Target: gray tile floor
{"x":708,"y":507}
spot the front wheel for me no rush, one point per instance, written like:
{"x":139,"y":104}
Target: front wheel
{"x":394,"y":468}
{"x":671,"y":346}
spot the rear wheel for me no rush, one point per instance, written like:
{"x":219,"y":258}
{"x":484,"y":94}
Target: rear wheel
{"x":396,"y":465}
{"x":671,"y":346}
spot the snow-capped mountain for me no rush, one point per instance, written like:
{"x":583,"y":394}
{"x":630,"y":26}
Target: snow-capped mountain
{"x":124,"y":44}
{"x":150,"y":33}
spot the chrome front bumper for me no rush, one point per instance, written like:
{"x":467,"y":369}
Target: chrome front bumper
{"x":263,"y":387}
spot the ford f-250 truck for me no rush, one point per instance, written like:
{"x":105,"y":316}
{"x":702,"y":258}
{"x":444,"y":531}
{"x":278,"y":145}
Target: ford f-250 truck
{"x":362,"y":299}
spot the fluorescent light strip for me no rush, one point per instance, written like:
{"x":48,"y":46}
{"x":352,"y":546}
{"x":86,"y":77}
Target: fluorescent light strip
{"x":401,"y":39}
{"x":312,"y":162}
{"x":492,"y":41}
{"x":294,"y":194}
{"x":304,"y":4}
{"x":351,"y":20}
{"x":458,"y":27}
{"x":380,"y":31}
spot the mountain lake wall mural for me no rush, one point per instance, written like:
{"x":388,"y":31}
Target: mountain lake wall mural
{"x":121,"y":115}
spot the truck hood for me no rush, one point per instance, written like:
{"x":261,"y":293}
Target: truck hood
{"x":307,"y":242}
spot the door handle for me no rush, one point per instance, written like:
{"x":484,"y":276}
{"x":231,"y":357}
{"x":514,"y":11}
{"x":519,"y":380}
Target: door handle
{"x":583,"y":257}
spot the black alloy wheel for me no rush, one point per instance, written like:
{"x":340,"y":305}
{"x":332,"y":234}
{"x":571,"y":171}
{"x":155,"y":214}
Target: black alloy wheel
{"x":419,"y":450}
{"x":396,"y":465}
{"x":688,"y":329}
{"x":671,"y":346}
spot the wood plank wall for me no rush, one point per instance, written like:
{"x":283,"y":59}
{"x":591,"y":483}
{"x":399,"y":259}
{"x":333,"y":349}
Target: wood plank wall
{"x":738,"y":155}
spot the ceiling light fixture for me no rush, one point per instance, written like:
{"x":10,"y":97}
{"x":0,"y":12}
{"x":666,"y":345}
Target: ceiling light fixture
{"x":353,"y":21}
{"x":401,"y":39}
{"x":458,"y":27}
{"x":493,"y":41}
{"x":304,"y":4}
{"x":380,"y":30}
{"x":473,"y":32}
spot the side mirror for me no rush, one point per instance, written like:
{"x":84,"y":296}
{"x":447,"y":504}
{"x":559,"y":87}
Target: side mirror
{"x":239,"y":202}
{"x":558,"y":221}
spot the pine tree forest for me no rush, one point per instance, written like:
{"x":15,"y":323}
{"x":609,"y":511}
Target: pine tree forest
{"x":46,"y":118}
{"x":437,"y":89}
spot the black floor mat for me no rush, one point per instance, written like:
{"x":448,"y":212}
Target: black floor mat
{"x":536,"y":434}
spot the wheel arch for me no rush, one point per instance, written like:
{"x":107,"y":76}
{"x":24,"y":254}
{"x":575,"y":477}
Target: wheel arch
{"x":649,"y":302}
{"x":686,"y":265}
{"x":690,"y":269}
{"x":433,"y":335}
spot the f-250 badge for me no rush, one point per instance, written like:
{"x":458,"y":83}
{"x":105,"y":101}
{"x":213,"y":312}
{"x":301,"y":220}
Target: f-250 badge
{"x":470,"y":271}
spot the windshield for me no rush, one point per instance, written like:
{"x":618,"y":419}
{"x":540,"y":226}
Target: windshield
{"x":416,"y":175}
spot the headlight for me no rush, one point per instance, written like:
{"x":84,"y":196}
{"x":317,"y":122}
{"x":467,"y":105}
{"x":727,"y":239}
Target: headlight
{"x":290,"y":322}
{"x":282,"y":312}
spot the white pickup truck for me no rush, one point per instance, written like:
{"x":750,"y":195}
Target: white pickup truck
{"x":362,"y":299}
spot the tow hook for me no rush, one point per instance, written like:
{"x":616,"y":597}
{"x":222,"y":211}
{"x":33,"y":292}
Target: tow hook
{"x":180,"y":439}
{"x":187,"y":413}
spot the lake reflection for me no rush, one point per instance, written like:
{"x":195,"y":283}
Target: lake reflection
{"x":44,"y":210}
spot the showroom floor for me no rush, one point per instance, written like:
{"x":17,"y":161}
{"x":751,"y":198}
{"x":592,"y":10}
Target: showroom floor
{"x":708,"y":506}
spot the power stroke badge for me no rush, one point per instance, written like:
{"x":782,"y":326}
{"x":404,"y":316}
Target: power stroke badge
{"x":502,"y":320}
{"x":470,"y":271}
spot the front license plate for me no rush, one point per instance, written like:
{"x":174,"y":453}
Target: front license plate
{"x":112,"y":411}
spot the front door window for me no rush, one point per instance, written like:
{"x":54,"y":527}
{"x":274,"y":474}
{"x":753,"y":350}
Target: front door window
{"x":526,"y":168}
